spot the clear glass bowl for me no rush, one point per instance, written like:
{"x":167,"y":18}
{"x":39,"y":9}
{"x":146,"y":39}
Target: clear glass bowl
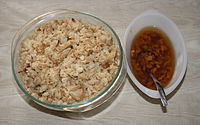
{"x":100,"y":98}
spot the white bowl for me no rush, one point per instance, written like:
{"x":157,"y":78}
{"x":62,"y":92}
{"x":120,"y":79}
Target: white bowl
{"x":157,"y":19}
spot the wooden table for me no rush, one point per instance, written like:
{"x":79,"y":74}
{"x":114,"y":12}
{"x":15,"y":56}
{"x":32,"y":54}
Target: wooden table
{"x":130,"y":106}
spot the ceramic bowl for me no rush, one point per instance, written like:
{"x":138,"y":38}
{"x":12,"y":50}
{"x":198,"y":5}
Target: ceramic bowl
{"x":157,"y":19}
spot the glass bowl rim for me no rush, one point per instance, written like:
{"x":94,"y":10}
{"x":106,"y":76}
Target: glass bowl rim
{"x":101,"y":93}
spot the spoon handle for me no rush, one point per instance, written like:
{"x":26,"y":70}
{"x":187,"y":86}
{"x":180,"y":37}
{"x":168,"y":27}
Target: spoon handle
{"x":162,"y":96}
{"x":160,"y":89}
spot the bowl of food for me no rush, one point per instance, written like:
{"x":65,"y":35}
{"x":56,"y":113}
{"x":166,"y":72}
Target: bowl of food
{"x":154,"y":44}
{"x":68,"y":60}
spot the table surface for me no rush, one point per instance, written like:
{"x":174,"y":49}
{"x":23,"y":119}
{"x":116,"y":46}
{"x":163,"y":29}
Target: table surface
{"x":130,"y":106}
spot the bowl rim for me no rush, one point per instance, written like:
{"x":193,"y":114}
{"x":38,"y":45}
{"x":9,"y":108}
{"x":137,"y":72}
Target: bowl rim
{"x":149,"y":92}
{"x":75,"y":105}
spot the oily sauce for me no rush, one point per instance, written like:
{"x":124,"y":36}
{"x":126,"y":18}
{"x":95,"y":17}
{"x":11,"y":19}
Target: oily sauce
{"x":151,"y":51}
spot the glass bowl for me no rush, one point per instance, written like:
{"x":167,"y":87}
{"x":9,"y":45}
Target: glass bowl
{"x":95,"y":101}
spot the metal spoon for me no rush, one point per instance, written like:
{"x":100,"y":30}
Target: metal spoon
{"x":160,"y":89}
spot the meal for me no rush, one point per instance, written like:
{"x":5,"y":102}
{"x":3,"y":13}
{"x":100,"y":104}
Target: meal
{"x":152,"y":52}
{"x":67,"y":61}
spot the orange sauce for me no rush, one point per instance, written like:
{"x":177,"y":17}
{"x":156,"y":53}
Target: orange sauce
{"x":151,"y":51}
